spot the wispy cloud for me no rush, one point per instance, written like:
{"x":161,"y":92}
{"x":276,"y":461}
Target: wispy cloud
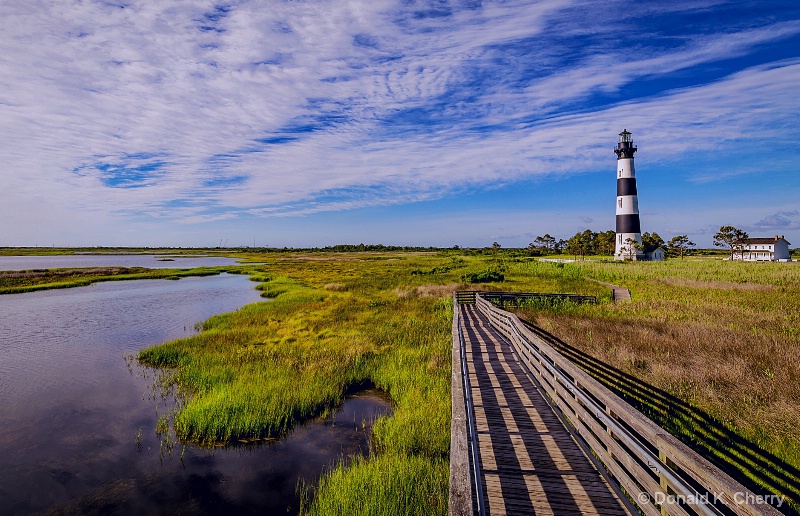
{"x":780,"y":221}
{"x":194,"y":112}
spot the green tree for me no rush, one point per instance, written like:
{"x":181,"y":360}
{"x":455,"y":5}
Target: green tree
{"x":581,"y":243}
{"x":630,"y":248}
{"x":546,"y":243}
{"x":495,"y":248}
{"x":605,"y":243}
{"x":731,"y":237}
{"x":652,"y":241}
{"x":680,"y":245}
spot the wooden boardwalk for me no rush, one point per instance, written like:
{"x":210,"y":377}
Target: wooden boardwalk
{"x":528,"y":461}
{"x":618,"y":294}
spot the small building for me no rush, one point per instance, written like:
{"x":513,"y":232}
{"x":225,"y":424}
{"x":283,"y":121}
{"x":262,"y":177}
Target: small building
{"x":772,"y":249}
{"x":654,"y":254}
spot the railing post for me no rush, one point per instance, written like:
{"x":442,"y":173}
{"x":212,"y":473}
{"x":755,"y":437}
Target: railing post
{"x":662,"y":481}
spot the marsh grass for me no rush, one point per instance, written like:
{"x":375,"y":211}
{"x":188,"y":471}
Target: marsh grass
{"x":331,"y":327}
{"x":413,"y":484}
{"x":721,"y":339}
{"x":18,"y":282}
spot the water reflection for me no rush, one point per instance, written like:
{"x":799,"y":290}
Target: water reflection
{"x":257,"y":478}
{"x":78,"y":429}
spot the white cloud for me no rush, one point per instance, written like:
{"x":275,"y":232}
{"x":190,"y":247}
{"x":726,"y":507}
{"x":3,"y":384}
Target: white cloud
{"x":203,"y":90}
{"x":780,"y":221}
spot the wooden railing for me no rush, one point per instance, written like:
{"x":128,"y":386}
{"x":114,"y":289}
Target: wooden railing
{"x":465,"y":478}
{"x":501,"y":298}
{"x":465,"y":297}
{"x":658,"y":473}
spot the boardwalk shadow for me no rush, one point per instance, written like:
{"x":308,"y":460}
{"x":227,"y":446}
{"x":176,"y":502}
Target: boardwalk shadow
{"x":756,"y":469}
{"x":529,"y":463}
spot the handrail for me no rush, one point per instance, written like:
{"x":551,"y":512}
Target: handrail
{"x":472,"y":435}
{"x":460,"y":501}
{"x":660,"y":474}
{"x":468,"y":296}
{"x":465,"y":475}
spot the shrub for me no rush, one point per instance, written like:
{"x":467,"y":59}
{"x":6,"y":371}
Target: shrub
{"x":484,"y":276}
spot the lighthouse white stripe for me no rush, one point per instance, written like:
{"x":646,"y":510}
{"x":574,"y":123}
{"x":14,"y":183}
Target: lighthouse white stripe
{"x":627,"y":204}
{"x":625,"y":168}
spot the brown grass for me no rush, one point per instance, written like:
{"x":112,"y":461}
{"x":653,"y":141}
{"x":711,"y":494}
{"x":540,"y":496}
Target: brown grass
{"x":717,"y":285}
{"x":741,"y":376}
{"x":427,"y":291}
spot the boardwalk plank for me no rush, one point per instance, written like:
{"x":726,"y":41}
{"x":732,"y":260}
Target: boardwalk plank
{"x":530,"y":463}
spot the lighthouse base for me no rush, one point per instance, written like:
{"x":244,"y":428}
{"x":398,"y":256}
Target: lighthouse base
{"x":656,"y":255}
{"x":630,"y":256}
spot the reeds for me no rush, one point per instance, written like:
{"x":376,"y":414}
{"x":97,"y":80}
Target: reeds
{"x":330,"y":327}
{"x":18,"y":282}
{"x":386,"y":485}
{"x":337,"y":323}
{"x":720,"y":337}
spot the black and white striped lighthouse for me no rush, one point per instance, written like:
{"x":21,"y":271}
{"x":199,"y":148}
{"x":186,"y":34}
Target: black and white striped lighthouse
{"x":628,"y":227}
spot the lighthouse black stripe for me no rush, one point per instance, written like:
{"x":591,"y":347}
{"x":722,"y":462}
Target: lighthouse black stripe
{"x":626,"y":186}
{"x":628,"y":223}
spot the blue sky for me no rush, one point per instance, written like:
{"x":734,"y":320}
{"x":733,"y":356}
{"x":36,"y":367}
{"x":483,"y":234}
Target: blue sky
{"x":310,"y":123}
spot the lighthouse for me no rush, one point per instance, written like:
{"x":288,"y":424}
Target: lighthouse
{"x":628,"y":227}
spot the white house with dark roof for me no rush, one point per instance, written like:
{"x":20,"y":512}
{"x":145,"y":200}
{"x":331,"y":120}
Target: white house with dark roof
{"x":772,"y":249}
{"x":655,"y":254}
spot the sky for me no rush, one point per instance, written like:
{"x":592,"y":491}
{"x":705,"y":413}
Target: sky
{"x":291,"y":123}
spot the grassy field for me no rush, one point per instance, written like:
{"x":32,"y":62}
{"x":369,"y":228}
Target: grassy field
{"x":718,"y":340}
{"x":338,"y":323}
{"x":720,"y":337}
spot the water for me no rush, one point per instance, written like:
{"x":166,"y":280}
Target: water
{"x":78,"y":429}
{"x":18,"y":263}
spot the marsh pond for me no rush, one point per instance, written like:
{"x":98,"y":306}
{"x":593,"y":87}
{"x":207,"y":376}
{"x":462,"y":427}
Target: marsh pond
{"x":79,"y":420}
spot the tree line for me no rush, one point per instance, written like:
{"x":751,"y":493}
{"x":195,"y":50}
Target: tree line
{"x":603,"y":243}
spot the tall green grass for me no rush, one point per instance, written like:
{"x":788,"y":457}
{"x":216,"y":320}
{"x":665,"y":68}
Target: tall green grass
{"x":337,"y":322}
{"x":413,"y":485}
{"x":330,"y":327}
